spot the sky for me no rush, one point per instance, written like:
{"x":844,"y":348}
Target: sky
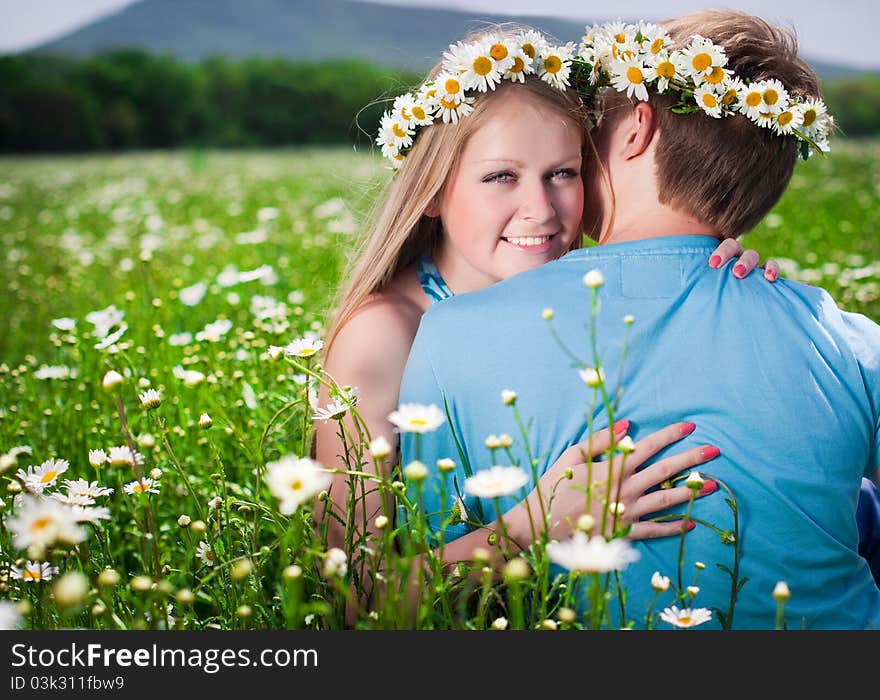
{"x":836,"y":31}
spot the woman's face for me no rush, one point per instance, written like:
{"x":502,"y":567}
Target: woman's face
{"x":514,"y":200}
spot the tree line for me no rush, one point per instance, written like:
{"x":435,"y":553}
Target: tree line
{"x":130,"y":99}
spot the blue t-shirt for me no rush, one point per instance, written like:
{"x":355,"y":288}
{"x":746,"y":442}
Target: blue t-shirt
{"x":784,"y":382}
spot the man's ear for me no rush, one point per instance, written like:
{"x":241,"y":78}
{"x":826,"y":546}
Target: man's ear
{"x":432,"y":210}
{"x":641,"y":130}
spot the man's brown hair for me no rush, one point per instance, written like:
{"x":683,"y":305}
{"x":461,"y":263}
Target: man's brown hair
{"x":726,"y":172}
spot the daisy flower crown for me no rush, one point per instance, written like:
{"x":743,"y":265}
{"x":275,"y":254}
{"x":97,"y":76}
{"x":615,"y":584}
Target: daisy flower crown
{"x":632,"y":58}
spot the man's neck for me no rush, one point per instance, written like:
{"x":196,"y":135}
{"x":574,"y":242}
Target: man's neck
{"x":656,"y":223}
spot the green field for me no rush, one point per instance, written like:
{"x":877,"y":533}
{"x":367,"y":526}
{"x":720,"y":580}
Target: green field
{"x":267,"y":234}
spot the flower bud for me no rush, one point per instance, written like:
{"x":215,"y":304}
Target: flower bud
{"x":141,"y":583}
{"x":292,"y":571}
{"x":155,"y":473}
{"x":566,"y":615}
{"x":112,"y":380}
{"x":108,"y":577}
{"x":381,"y":522}
{"x":694,"y":481}
{"x":380,"y":448}
{"x":205,"y":421}
{"x":499,"y":623}
{"x":586,"y":522}
{"x":71,"y":589}
{"x":548,"y":624}
{"x":594,"y":279}
{"x":184,"y":521}
{"x":781,"y":592}
{"x":659,"y":583}
{"x":415,"y":471}
{"x":547,"y":314}
{"x":517,"y":570}
{"x":185,"y":596}
{"x":508,"y":397}
{"x":241,"y":569}
{"x":445,"y":464}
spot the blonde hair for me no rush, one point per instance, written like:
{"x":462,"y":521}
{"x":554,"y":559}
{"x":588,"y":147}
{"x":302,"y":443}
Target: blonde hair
{"x":400,"y":231}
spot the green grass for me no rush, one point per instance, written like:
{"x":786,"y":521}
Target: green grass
{"x":82,"y":233}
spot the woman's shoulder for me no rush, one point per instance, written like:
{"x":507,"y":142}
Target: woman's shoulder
{"x":379,"y":332}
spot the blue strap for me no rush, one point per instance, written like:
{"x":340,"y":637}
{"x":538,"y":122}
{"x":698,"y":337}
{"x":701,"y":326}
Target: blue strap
{"x":432,"y":282}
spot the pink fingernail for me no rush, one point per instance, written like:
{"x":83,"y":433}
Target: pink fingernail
{"x":709,"y":452}
{"x":621,"y":426}
{"x":687,"y":428}
{"x":771,"y":275}
{"x":715,"y":261}
{"x":739,"y":270}
{"x":708,"y":487}
{"x":690,"y":526}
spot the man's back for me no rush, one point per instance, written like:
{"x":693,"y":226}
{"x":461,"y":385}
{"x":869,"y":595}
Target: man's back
{"x":786,"y":385}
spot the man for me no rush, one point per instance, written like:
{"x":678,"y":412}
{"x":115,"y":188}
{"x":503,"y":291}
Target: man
{"x":786,"y":384}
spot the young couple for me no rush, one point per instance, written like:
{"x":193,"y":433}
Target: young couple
{"x":507,"y":179}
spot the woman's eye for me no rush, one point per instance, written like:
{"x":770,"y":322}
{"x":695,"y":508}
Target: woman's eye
{"x":500,"y":177}
{"x":563,"y":174}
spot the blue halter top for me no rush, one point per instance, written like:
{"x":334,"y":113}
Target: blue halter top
{"x":431,"y":280}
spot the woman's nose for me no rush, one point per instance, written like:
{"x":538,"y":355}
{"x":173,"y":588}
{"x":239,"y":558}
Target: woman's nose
{"x":537,"y":203}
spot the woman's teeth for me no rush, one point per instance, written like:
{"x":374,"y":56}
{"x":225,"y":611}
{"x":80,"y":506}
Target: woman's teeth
{"x":526,"y":241}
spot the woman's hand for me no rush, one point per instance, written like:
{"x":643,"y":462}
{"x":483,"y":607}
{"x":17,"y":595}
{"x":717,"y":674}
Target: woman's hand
{"x":566,"y":496}
{"x":748,"y":260}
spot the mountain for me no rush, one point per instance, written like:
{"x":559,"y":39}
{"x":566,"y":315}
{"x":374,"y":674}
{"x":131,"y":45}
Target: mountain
{"x":309,"y":30}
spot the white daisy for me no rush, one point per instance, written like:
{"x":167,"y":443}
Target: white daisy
{"x":104,"y":320}
{"x":294,"y":481}
{"x":632,"y":76}
{"x":64,"y":324}
{"x":192,"y":295}
{"x":143,"y":485}
{"x":205,"y":554}
{"x":334,"y":411}
{"x":410,"y":110}
{"x":112,"y":338}
{"x":38,"y":478}
{"x":532,"y":44}
{"x":33,"y":572}
{"x":521,"y":66}
{"x":708,"y":101}
{"x":151,"y":398}
{"x":394,"y":135}
{"x":592,"y":377}
{"x":654,"y":39}
{"x":190,"y":377}
{"x":41,"y":522}
{"x":54,"y":372}
{"x":481,"y":71}
{"x":703,"y":61}
{"x":90,"y":514}
{"x":815,"y":117}
{"x":97,"y":458}
{"x":452,"y":104}
{"x":788,"y":119}
{"x":593,"y":554}
{"x":554,"y":66}
{"x":686,"y":618}
{"x":10,"y":618}
{"x":303,"y":347}
{"x":123,"y":456}
{"x":213,"y":332}
{"x":496,"y":481}
{"x":72,"y":500}
{"x":665,"y":69}
{"x":417,"y":418}
{"x":180,"y":339}
{"x":621,"y":39}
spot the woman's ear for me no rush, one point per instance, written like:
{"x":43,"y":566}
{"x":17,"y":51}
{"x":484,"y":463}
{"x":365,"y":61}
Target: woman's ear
{"x":432,"y":210}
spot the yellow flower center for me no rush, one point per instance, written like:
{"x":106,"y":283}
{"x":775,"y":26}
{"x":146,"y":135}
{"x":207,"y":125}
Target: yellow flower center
{"x":771,"y":97}
{"x":48,"y":476}
{"x":552,"y":64}
{"x":308,"y":352}
{"x":140,"y":487}
{"x":406,"y":117}
{"x":482,"y":66}
{"x":452,"y":86}
{"x":716,"y":76}
{"x":809,"y":117}
{"x":634,"y":75}
{"x":784,"y":118}
{"x":518,"y":65}
{"x":729,"y":97}
{"x":529,"y":50}
{"x":498,"y":52}
{"x":665,"y":69}
{"x":449,"y":104}
{"x":432,"y":92}
{"x":656,"y":45}
{"x":296,"y":485}
{"x":753,"y":99}
{"x":685,"y":620}
{"x":32,"y":575}
{"x":40,"y":524}
{"x":399,"y":133}
{"x":418,"y":422}
{"x":620,"y":38}
{"x":418,"y":113}
{"x":398,"y":157}
{"x":701,"y":61}
{"x":709,"y":100}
